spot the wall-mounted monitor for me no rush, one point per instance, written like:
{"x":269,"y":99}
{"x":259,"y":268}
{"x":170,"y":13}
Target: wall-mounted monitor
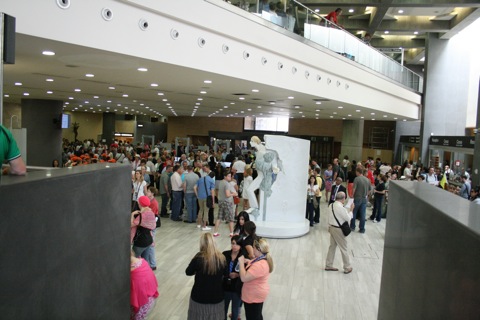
{"x":275,"y":124}
{"x":65,"y":121}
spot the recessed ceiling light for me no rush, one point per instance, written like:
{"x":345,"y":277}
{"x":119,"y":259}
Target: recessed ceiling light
{"x":373,"y":119}
{"x":386,"y":32}
{"x":249,"y":109}
{"x":331,"y":116}
{"x":415,"y":32}
{"x":78,"y":90}
{"x":296,"y":107}
{"x":317,"y":10}
{"x":89,"y":75}
{"x":317,"y":110}
{"x":199,"y":99}
{"x":142,"y":69}
{"x":385,"y":116}
{"x":300,"y":112}
{"x":404,"y":119}
{"x":255,"y":90}
{"x":160,"y":93}
{"x":349,"y":115}
{"x":225,"y":107}
{"x":272,"y":102}
{"x":49,"y":80}
{"x":109,"y":101}
{"x":6,"y":95}
{"x":95,"y":97}
{"x":26,"y":94}
{"x":197,"y":103}
{"x":154,"y":85}
{"x":259,"y":107}
{"x":232,"y":102}
{"x":203,"y":92}
{"x":48,"y":53}
{"x":125,"y":95}
{"x":168,"y":104}
{"x":351,"y":10}
{"x":164,"y":100}
{"x":362,"y":117}
{"x":373,"y":113}
{"x":18,"y":83}
{"x":395,"y":118}
{"x":207,"y":81}
{"x":241,"y":98}
{"x":400,"y":11}
{"x":291,"y":97}
{"x":70,"y":98}
{"x":318,"y":102}
{"x":334,"y":113}
{"x":340,"y":107}
{"x":49,"y":92}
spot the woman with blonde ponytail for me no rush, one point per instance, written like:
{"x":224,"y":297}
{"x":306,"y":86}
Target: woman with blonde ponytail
{"x":254,"y":275}
{"x":207,"y":298}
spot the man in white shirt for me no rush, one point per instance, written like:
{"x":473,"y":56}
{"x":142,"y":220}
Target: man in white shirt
{"x":407,"y":172}
{"x":336,"y":210}
{"x":431,"y":177}
{"x":177,"y":190}
{"x":239,"y":165}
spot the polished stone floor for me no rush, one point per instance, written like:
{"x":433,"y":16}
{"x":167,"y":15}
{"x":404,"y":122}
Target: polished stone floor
{"x":299,"y":287}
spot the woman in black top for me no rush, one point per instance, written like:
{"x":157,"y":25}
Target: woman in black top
{"x":379,"y":195}
{"x":208,"y":266}
{"x":247,"y":243}
{"x":231,"y":282}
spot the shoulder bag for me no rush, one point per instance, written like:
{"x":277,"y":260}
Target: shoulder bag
{"x":345,"y":226}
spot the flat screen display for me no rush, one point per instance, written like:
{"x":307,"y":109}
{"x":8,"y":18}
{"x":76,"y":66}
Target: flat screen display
{"x":65,"y":122}
{"x":279,"y":124}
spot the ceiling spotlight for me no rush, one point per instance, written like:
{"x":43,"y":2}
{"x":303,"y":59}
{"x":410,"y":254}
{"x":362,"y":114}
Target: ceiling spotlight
{"x":78,"y":90}
{"x":111,"y":88}
{"x":26,"y":94}
{"x":142,"y":69}
{"x":400,"y":11}
{"x":49,"y":92}
{"x":154,"y":85}
{"x":160,"y":93}
{"x":203,"y":92}
{"x":415,"y":32}
{"x":48,"y":53}
{"x":291,"y":97}
{"x":340,"y":107}
{"x":125,"y":95}
{"x":296,"y":107}
{"x":49,"y":80}
{"x":255,"y":90}
{"x":351,"y":10}
{"x":18,"y":83}
{"x":318,"y":102}
{"x":241,"y":98}
{"x":89,"y":75}
{"x":317,"y":10}
{"x":207,"y":81}
{"x":386,"y":32}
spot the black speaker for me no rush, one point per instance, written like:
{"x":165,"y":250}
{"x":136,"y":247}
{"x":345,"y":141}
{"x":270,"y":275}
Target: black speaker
{"x":153,"y":119}
{"x":8,"y":39}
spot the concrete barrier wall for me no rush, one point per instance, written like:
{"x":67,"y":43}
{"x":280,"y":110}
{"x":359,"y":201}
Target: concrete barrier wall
{"x":65,"y":244}
{"x":431,"y":259}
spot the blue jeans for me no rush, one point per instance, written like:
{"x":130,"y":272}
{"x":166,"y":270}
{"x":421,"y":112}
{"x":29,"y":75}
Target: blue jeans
{"x":191,"y":200}
{"x":236,"y":304}
{"x":149,"y":254}
{"x":163,"y":211}
{"x":310,"y":212}
{"x":177,"y":205}
{"x":377,"y":209}
{"x":360,"y":209}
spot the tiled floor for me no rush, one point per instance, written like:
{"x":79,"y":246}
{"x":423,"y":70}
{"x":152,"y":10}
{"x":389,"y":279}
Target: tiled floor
{"x":299,"y":287}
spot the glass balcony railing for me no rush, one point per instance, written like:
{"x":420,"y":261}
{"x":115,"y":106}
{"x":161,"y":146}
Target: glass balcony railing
{"x":306,"y":22}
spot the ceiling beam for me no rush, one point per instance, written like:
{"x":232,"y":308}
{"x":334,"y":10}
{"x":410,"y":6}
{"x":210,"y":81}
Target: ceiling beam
{"x":397,"y":42}
{"x":464,"y":17}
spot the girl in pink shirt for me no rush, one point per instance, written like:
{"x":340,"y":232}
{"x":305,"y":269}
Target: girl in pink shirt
{"x":254,"y":276}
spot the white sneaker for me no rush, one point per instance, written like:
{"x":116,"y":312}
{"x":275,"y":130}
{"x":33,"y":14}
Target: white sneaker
{"x":198,"y":226}
{"x":206,"y":228}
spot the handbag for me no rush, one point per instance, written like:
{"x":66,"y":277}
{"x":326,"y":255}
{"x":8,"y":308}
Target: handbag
{"x":236,"y":200}
{"x":344,"y":226}
{"x":209,"y":197}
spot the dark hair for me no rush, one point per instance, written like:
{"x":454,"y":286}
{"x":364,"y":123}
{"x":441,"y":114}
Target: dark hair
{"x":338,"y":9}
{"x":250,"y":228}
{"x":236,"y":238}
{"x":246,"y":218}
{"x":314,"y":178}
{"x":226,"y":172}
